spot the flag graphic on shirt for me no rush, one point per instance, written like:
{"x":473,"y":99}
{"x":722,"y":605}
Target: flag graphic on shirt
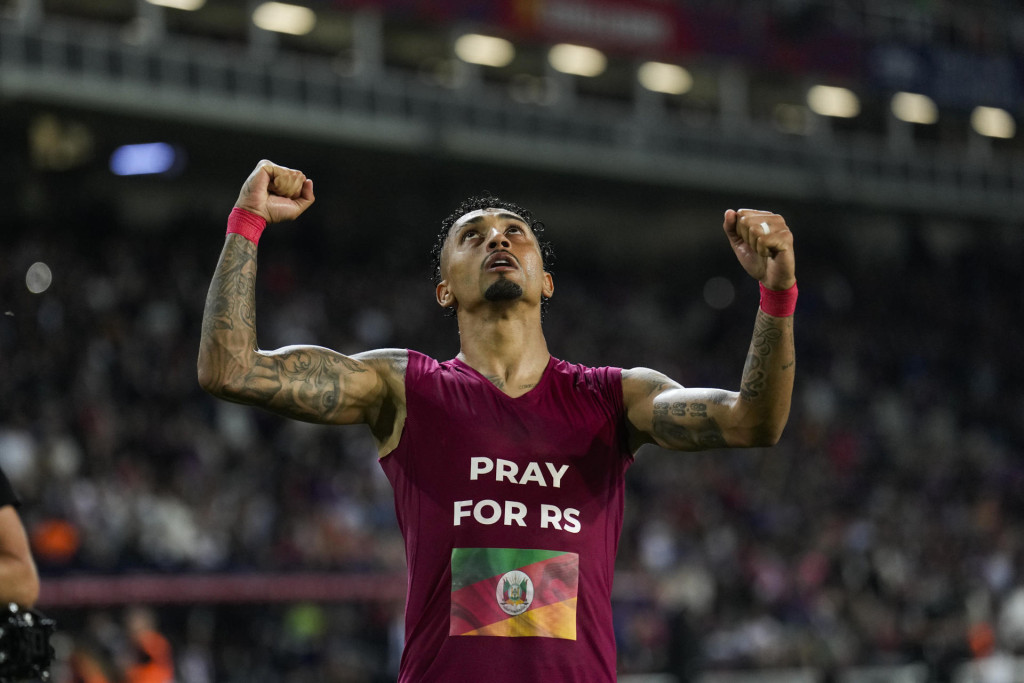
{"x":514,"y":592}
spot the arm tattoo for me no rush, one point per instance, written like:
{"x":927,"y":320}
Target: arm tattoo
{"x":232,"y":294}
{"x":767,"y":337}
{"x":229,"y":319}
{"x":701,"y":432}
{"x":680,"y":409}
{"x":306,"y":383}
{"x":678,"y":423}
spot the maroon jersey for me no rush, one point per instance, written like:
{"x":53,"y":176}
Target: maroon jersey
{"x":511,"y":510}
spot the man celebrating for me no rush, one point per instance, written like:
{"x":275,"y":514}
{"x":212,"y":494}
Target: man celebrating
{"x":507,"y":464}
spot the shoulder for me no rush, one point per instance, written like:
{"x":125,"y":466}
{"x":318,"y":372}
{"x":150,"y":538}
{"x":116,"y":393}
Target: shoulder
{"x":389,"y":367}
{"x":588,"y":374}
{"x":604,"y":381}
{"x":386,"y":416}
{"x":386,"y":362}
{"x":407,"y":365}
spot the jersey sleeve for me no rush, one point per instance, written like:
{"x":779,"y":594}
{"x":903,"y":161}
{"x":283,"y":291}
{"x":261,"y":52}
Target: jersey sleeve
{"x":611,"y":387}
{"x":607,"y":382}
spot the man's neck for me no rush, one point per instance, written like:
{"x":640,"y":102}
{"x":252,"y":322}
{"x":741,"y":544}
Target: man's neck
{"x":509,"y":350}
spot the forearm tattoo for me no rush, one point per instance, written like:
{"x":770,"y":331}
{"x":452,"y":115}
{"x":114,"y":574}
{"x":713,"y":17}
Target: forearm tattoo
{"x":229,"y":320}
{"x":232,"y":293}
{"x":769,"y":333}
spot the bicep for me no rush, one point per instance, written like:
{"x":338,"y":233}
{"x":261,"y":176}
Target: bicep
{"x":315,"y":384}
{"x":662,"y":411}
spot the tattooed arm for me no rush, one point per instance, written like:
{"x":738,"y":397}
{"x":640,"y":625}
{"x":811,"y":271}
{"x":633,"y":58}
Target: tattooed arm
{"x":308,"y":383}
{"x":662,"y":411}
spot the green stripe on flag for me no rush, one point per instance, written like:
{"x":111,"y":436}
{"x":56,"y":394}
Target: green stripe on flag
{"x":470,"y":565}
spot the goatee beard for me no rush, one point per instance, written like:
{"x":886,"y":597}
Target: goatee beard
{"x":503,"y":290}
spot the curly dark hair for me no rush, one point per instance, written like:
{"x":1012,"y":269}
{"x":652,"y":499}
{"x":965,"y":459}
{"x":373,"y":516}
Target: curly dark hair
{"x":489,"y":201}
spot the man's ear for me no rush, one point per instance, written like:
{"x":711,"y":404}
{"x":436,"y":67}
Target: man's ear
{"x":444,"y":295}
{"x":549,"y":285}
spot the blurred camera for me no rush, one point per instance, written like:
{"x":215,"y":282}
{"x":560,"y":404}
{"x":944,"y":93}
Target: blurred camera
{"x":25,"y":650}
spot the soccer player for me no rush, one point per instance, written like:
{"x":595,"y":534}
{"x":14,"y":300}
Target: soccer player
{"x":507,"y":464}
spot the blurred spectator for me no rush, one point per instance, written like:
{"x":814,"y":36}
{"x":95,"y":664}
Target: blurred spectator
{"x":149,"y":658}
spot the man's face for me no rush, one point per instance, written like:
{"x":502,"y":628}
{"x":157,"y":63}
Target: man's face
{"x":491,"y":255}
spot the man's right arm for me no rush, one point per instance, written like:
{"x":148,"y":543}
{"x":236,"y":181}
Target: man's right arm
{"x":308,"y":383}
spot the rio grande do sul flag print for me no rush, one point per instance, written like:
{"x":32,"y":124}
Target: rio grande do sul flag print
{"x":513,"y":592}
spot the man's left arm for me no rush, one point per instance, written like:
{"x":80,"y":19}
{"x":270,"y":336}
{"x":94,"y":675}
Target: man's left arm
{"x":664,"y":412}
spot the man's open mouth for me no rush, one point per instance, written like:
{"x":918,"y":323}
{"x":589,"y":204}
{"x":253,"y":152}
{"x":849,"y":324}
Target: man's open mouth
{"x":500,"y":261}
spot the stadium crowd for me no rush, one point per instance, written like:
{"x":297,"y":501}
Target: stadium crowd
{"x":885,"y":528}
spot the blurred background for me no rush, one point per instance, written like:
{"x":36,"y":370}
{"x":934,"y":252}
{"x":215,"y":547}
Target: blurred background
{"x":184,"y":538}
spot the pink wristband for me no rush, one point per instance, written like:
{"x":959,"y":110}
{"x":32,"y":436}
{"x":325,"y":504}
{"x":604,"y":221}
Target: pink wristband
{"x":778,"y":303}
{"x":247,"y":224}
